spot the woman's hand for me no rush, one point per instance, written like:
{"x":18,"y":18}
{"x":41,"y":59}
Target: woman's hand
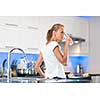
{"x":68,"y":40}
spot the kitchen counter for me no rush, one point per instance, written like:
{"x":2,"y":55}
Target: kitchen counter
{"x":94,"y":79}
{"x":63,"y":81}
{"x":18,"y":80}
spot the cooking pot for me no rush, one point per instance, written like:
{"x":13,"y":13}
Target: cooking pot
{"x":22,"y":72}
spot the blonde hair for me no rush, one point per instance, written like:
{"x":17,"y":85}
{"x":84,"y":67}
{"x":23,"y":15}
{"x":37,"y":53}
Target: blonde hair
{"x":55,"y":27}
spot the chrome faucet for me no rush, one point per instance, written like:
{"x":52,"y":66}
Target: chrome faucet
{"x":9,"y":61}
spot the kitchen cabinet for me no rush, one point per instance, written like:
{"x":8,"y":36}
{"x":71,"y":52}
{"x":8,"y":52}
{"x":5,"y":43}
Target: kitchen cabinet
{"x":19,"y":32}
{"x":29,"y":39}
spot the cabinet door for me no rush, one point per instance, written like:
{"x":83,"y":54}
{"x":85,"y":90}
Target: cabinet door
{"x":28,"y":39}
{"x":23,"y":39}
{"x":8,"y":37}
{"x":19,"y":32}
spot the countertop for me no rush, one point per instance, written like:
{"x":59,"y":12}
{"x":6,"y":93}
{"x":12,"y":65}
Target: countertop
{"x":94,"y":79}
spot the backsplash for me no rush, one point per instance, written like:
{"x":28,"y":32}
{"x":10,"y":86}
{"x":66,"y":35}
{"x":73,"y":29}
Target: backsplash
{"x":78,"y":60}
{"x":15,"y":59}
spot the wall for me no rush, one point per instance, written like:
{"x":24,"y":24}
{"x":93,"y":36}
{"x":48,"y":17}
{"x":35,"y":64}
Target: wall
{"x":15,"y":57}
{"x":94,"y":26}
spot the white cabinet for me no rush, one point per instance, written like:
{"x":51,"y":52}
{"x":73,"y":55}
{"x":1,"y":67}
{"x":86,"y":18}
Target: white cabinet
{"x":8,"y":37}
{"x":19,"y":32}
{"x":28,"y":39}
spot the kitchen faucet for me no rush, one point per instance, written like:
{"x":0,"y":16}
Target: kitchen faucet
{"x":9,"y":61}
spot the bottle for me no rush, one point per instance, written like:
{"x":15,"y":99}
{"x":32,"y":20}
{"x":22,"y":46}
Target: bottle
{"x":78,"y":69}
{"x":81,"y":70}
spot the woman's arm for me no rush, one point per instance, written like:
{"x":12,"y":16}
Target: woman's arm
{"x":37,"y":65}
{"x":62,"y":57}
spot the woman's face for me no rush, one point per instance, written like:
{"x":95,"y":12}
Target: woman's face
{"x":60,"y":34}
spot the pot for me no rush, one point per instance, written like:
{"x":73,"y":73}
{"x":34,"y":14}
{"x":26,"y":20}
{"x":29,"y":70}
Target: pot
{"x":22,"y":72}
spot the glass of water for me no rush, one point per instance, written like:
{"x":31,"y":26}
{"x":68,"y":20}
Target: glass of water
{"x":66,"y":35}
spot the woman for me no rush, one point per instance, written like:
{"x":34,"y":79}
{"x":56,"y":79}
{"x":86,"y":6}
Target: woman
{"x":51,"y":54}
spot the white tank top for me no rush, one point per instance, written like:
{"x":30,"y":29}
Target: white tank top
{"x":53,"y":67}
